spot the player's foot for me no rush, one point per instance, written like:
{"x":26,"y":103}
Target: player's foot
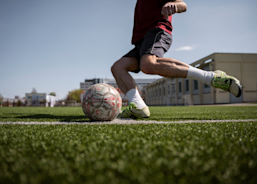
{"x":228,"y":83}
{"x":133,"y":112}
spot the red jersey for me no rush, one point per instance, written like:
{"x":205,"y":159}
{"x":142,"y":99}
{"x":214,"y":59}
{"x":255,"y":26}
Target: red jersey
{"x":148,"y":16}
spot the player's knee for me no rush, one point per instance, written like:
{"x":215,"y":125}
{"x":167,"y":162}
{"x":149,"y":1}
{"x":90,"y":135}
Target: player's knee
{"x":147,"y":69}
{"x":115,"y":67}
{"x":147,"y":65}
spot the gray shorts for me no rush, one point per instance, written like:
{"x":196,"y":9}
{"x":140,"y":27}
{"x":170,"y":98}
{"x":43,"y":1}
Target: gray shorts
{"x":155,"y":42}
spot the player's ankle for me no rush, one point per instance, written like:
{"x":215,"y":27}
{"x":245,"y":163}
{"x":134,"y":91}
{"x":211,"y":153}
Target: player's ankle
{"x":139,"y":105}
{"x":200,"y":75}
{"x":134,"y":96}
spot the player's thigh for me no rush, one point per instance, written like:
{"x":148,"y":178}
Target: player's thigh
{"x":147,"y":63}
{"x":156,"y":42}
{"x":126,"y":63}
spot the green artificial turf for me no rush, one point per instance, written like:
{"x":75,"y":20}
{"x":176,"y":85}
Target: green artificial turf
{"x":42,"y":114}
{"x":75,"y":114}
{"x":138,"y":153}
{"x":148,"y":153}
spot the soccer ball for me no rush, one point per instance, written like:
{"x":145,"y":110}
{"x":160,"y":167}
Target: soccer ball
{"x":101,"y":102}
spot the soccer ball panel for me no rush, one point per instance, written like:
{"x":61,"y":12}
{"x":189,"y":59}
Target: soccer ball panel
{"x":95,"y":100}
{"x":119,"y":102}
{"x":114,"y":113}
{"x":113,"y":91}
{"x":87,"y":94}
{"x":86,"y":109}
{"x":101,"y":89}
{"x":100,"y":114}
{"x":109,"y":100}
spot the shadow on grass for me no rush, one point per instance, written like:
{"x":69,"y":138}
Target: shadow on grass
{"x":78,"y":119}
{"x":50,"y":117}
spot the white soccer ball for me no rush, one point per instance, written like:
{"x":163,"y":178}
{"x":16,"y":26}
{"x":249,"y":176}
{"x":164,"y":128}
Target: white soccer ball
{"x":101,"y":102}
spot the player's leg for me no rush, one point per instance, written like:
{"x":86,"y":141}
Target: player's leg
{"x":167,"y":67}
{"x":120,"y":69}
{"x":136,"y":110}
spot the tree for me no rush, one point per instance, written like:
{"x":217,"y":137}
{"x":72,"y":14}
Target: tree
{"x":34,"y":91}
{"x":19,"y":103}
{"x":1,"y":97}
{"x":52,"y":94}
{"x":74,"y":95}
{"x":1,"y":100}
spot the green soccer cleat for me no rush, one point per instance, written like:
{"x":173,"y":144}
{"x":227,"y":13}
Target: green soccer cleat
{"x":228,"y":83}
{"x":132,"y":112}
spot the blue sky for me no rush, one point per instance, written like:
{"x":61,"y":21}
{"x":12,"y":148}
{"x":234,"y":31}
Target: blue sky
{"x":53,"y":45}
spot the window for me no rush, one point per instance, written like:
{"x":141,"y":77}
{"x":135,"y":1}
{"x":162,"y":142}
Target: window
{"x":206,"y":86}
{"x":196,"y":85}
{"x":163,"y":91}
{"x":206,"y":68}
{"x":187,"y":85}
{"x":179,"y":87}
{"x":172,"y":88}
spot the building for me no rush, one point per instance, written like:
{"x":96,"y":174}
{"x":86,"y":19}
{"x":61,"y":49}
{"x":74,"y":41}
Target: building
{"x":40,"y":99}
{"x":90,"y":82}
{"x":179,"y":91}
{"x":13,"y":102}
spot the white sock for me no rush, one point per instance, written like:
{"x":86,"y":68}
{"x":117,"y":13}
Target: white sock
{"x":134,"y":96}
{"x":200,"y":75}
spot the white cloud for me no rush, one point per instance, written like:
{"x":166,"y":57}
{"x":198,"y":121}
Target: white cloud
{"x":185,"y":48}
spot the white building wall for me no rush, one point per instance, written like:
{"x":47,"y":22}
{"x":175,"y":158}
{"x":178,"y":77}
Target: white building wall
{"x":242,"y":66}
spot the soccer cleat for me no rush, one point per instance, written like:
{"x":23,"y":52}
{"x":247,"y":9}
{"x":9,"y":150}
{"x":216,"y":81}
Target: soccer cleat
{"x":132,"y":112}
{"x":228,"y":83}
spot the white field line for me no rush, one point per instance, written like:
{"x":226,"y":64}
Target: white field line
{"x":128,"y":121}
